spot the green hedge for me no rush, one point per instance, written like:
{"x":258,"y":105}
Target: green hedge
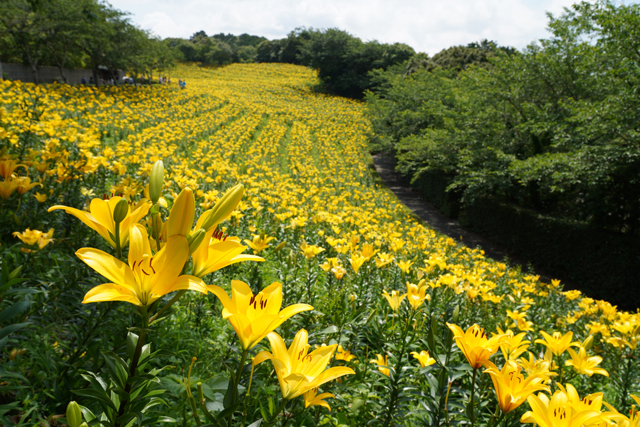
{"x":601,"y":264}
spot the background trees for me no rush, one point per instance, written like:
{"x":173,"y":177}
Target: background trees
{"x":77,"y":34}
{"x":553,"y":127}
{"x":538,"y":149}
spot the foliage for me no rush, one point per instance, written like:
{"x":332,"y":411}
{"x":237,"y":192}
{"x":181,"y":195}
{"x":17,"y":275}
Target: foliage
{"x":77,"y":34}
{"x":552,"y":128}
{"x":344,"y":61}
{"x":219,"y":49}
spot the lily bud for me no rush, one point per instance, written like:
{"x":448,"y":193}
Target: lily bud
{"x":74,"y":414}
{"x":280,"y":246}
{"x":588,"y":342}
{"x":195,"y":239}
{"x":225,"y":206}
{"x":156,"y":181}
{"x":121,"y":210}
{"x":456,"y":313}
{"x":181,"y":215}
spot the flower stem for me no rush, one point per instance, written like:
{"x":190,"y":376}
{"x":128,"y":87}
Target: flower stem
{"x":133,"y":367}
{"x":172,"y":301}
{"x":473,"y":387}
{"x":273,"y":419}
{"x":243,"y":359}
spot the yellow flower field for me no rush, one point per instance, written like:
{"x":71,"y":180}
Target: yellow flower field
{"x":327,"y":230}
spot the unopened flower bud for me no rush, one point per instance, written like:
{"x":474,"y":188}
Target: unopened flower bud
{"x":588,"y":342}
{"x":456,"y":313}
{"x":121,"y":210}
{"x":156,"y":181}
{"x":74,"y":414}
{"x":280,"y":246}
{"x":181,"y":216}
{"x":225,"y":206}
{"x":196,"y":239}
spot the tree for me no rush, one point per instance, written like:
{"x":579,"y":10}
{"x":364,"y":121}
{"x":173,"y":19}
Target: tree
{"x":344,"y":61}
{"x":26,"y":30}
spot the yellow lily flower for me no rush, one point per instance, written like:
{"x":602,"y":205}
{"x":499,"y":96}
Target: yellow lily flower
{"x":24,"y":184}
{"x":7,"y":187}
{"x":356,"y":262}
{"x":585,"y":365}
{"x":310,"y":251}
{"x":259,"y":242}
{"x":147,"y":277}
{"x":299,"y":371}
{"x":8,"y":166}
{"x":384,"y":259}
{"x":536,"y":367}
{"x":556,"y":412}
{"x":31,"y":237}
{"x":424,"y":358}
{"x":368,"y":251}
{"x":339,"y":271}
{"x":633,"y":420}
{"x":416,"y":294}
{"x":182,"y":214}
{"x":512,"y":389}
{"x":343,"y":354}
{"x":514,"y":345}
{"x":219,"y":253}
{"x":405,"y":266}
{"x":475,"y":345}
{"x":381,"y":362}
{"x":310,"y":398}
{"x":395,"y":299}
{"x":566,"y":409}
{"x":100,"y":218}
{"x":40,"y":197}
{"x":557,"y":343}
{"x":253,"y":317}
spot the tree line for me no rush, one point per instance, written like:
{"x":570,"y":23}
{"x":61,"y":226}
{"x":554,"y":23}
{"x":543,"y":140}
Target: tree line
{"x":92,"y":34}
{"x":343,"y":61}
{"x":78,"y":34}
{"x":554,"y":127}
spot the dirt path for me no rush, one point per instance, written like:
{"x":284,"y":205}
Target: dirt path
{"x":385,"y":166}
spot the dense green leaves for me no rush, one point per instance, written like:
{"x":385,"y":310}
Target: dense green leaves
{"x":553,"y":127}
{"x":77,"y":34}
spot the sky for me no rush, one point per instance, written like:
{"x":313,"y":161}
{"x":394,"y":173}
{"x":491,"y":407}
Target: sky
{"x":426,"y":25}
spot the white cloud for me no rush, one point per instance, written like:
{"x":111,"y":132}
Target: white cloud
{"x":426,"y":25}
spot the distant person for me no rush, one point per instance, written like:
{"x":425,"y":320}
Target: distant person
{"x":83,"y":80}
{"x":91,"y":80}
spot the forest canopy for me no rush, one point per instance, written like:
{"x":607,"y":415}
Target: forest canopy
{"x":553,"y":127}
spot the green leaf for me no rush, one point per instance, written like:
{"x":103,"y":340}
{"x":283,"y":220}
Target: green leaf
{"x":469,"y":410}
{"x":11,"y":328}
{"x":100,"y":396}
{"x":156,"y":420}
{"x":118,"y":368}
{"x":329,"y":330}
{"x":228,"y":411}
